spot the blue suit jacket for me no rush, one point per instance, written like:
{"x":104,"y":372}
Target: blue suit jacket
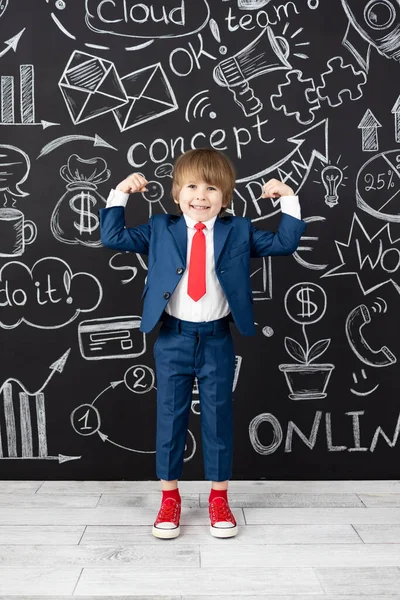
{"x":164,"y":239}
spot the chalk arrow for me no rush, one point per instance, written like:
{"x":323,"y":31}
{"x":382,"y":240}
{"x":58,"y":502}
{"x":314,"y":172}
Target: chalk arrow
{"x":396,"y":112}
{"x":46,"y":124}
{"x":113,"y":385}
{"x":313,"y":144}
{"x":43,"y":124}
{"x":61,"y":458}
{"x":59,"y":364}
{"x":309,"y":144}
{"x":56,"y":366}
{"x":105,"y":438}
{"x":369,"y":121}
{"x":369,"y":125}
{"x":12,"y":43}
{"x":97,"y":142}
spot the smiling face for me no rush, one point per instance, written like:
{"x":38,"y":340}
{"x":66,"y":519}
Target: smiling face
{"x":200,"y":200}
{"x":203,"y":183}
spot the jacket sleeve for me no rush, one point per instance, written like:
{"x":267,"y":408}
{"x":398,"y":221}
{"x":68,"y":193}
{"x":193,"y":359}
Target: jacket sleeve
{"x":284,"y":242}
{"x":114,"y":233}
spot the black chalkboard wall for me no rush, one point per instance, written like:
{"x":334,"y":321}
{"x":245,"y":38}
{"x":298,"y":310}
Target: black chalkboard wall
{"x":305,"y":91}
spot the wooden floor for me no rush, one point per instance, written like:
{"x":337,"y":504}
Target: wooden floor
{"x":297,"y":540}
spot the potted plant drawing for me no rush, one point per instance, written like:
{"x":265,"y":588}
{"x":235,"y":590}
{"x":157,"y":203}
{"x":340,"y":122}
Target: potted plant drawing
{"x":305,"y":303}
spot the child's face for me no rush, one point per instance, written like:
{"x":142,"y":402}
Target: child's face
{"x":200,"y":200}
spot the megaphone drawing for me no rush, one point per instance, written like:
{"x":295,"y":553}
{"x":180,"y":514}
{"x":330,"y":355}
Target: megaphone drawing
{"x":254,"y":60}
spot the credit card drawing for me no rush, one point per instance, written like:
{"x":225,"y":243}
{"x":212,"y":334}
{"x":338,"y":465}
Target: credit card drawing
{"x":111,"y":337}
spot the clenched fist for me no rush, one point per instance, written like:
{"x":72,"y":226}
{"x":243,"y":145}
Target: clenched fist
{"x":133,"y":183}
{"x":275,"y":189}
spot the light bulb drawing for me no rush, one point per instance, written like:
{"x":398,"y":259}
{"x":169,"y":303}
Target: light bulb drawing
{"x":331,"y":177}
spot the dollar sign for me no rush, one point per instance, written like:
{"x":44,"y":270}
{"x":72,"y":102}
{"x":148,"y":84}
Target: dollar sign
{"x":303,"y":296}
{"x":88,"y":221}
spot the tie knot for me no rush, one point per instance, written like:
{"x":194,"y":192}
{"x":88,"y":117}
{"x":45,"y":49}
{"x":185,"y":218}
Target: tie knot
{"x":199,"y":226}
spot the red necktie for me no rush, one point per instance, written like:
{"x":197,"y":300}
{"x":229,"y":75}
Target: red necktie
{"x":197,"y":264}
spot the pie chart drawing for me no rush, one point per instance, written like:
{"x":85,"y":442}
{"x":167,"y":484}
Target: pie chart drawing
{"x":378,"y":186}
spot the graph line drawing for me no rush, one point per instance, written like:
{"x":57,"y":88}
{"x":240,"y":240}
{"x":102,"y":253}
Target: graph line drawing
{"x":30,"y":409}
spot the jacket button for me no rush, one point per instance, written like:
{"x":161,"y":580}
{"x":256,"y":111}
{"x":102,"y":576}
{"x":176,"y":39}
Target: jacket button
{"x":179,"y":270}
{"x":167,"y":295}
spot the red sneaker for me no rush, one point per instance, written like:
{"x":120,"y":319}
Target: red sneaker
{"x":166,"y":526}
{"x":223,"y":524}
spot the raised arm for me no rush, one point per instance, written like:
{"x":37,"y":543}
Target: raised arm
{"x":286,"y":240}
{"x":114,"y":233}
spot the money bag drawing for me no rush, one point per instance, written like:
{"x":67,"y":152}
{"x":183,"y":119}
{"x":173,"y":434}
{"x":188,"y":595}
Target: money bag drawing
{"x":74,"y":219}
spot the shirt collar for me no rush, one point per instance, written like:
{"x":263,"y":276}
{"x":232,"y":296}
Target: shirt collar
{"x":191,"y":223}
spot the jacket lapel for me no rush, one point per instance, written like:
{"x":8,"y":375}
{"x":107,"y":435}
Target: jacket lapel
{"x":178,"y":230}
{"x":221,"y":232}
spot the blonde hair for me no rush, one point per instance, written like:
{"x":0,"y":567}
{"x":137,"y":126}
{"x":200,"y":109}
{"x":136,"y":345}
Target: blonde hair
{"x":206,"y":164}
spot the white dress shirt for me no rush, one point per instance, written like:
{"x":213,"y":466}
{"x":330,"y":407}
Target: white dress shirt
{"x":214,"y":304}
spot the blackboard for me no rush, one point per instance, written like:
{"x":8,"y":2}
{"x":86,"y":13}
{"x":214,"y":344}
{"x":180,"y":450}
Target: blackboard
{"x":303,"y":91}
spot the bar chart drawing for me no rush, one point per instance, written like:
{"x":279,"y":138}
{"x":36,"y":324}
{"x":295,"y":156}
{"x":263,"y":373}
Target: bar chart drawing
{"x":23,"y":416}
{"x":24,"y":98}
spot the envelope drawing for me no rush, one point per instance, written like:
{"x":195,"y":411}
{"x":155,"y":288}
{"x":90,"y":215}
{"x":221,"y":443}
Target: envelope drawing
{"x":150,"y":96}
{"x":91,"y":87}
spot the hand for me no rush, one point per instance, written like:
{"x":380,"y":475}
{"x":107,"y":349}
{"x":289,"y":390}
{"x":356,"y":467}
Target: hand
{"x":133,"y":183}
{"x":275,"y":189}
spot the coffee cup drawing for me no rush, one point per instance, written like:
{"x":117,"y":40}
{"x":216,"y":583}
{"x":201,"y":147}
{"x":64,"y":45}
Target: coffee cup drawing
{"x":15,"y":232}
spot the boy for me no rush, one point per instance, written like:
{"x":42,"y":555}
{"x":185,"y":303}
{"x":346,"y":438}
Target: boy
{"x":198,"y":281}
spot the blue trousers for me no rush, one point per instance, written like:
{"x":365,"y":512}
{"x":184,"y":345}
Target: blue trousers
{"x":185,"y":350}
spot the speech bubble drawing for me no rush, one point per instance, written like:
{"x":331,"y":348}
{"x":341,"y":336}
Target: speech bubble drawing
{"x":164,"y":19}
{"x":47,"y":296}
{"x":14,"y":169}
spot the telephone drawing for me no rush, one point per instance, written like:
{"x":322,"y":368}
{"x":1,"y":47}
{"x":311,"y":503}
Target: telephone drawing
{"x":355,"y":322}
